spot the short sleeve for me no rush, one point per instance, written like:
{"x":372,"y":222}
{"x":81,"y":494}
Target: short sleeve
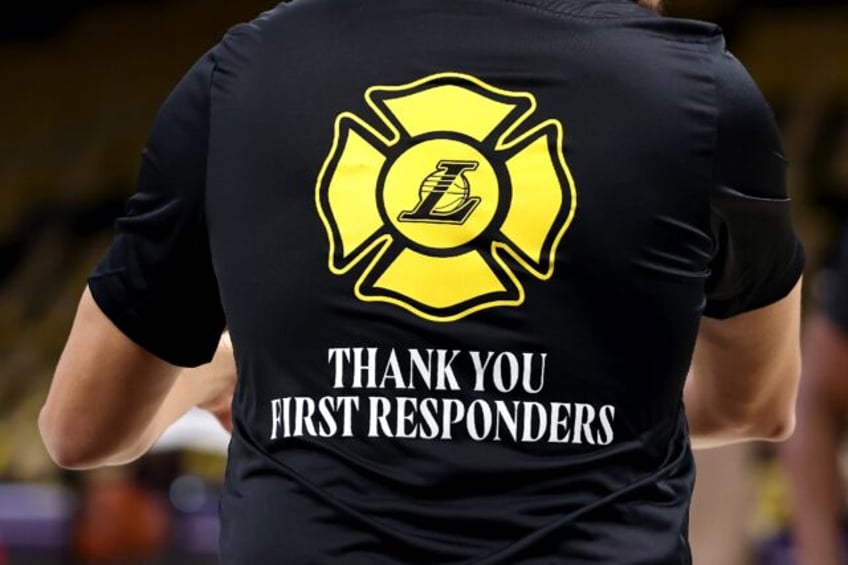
{"x":757,"y":258}
{"x":156,"y":281}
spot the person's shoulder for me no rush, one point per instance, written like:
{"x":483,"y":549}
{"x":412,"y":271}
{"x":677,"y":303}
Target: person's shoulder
{"x":288,"y":19}
{"x":682,"y":30}
{"x":655,"y":43}
{"x":289,"y":12}
{"x":749,"y":148}
{"x":738,"y":93}
{"x":255,"y":27}
{"x":629,"y":14}
{"x":241,"y":40}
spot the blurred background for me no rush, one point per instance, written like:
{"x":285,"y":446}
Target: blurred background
{"x":81,"y":82}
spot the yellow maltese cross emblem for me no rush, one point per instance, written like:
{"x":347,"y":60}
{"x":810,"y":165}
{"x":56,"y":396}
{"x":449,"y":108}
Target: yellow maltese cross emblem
{"x":446,"y":197}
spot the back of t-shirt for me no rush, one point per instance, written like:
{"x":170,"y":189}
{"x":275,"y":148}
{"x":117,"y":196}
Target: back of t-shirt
{"x":462,"y":248}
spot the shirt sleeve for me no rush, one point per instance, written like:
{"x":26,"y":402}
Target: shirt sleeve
{"x":156,"y":281}
{"x":757,"y":258}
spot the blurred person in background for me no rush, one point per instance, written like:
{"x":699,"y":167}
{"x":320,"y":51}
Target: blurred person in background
{"x":252,"y":208}
{"x":811,"y":457}
{"x":118,"y":519}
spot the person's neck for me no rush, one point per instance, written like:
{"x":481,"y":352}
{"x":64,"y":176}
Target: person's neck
{"x":655,"y":5}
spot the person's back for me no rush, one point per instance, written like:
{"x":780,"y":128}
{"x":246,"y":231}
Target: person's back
{"x":493,"y":372}
{"x":463,"y":248}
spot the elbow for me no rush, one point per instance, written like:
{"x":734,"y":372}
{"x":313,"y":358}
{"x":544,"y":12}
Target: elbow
{"x":53,"y":441}
{"x":67,"y":449}
{"x":771,"y":416}
{"x":777,"y":426}
{"x":60,"y":448}
{"x":774,"y":420}
{"x":724,"y":429}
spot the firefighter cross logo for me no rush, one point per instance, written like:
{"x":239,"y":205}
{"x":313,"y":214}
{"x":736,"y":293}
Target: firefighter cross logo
{"x":445,"y":196}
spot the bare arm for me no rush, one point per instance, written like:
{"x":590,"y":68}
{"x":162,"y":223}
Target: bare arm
{"x":110,"y":399}
{"x":744,"y":377}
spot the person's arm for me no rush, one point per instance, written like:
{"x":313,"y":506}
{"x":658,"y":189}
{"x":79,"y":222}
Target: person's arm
{"x":744,"y":378}
{"x":746,"y":363}
{"x":110,"y":399}
{"x":810,"y":457}
{"x":152,"y":304}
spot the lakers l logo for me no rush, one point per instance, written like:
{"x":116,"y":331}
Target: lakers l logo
{"x":444,"y":195}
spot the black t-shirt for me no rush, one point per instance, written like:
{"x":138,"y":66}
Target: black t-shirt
{"x":462,"y":248}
